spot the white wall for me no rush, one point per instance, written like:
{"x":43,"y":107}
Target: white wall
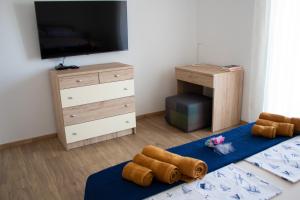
{"x":225,"y":37}
{"x":162,"y":34}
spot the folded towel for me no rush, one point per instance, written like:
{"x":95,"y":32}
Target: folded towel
{"x":285,"y":129}
{"x":162,"y":171}
{"x":296,"y":122}
{"x":137,"y":174}
{"x":274,"y":117}
{"x":264,"y":131}
{"x":189,"y":167}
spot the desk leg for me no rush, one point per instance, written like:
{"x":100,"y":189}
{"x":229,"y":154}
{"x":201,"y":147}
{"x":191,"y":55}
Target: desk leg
{"x":227,"y":100}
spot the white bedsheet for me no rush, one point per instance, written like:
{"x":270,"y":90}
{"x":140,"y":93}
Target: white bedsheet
{"x":282,"y":160}
{"x":229,"y":182}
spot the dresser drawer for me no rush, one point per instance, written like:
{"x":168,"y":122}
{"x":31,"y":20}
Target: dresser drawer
{"x":196,"y":78}
{"x":100,"y":127}
{"x":98,"y":110}
{"x":118,"y":75}
{"x":96,"y":93}
{"x":78,"y":80}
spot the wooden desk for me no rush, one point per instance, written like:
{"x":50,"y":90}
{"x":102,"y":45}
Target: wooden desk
{"x":224,"y":87}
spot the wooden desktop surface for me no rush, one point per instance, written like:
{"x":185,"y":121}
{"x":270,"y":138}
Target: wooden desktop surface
{"x":205,"y":69}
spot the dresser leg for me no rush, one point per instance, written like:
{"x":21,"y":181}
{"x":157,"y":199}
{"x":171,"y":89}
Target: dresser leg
{"x":134,"y":130}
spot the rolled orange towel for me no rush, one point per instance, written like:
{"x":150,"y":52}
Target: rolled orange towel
{"x":296,"y":122}
{"x":264,"y":131}
{"x":162,"y":171}
{"x":137,"y":174}
{"x":274,"y":117}
{"x":189,"y":167}
{"x":264,"y":122}
{"x":282,"y":119}
{"x":285,"y":129}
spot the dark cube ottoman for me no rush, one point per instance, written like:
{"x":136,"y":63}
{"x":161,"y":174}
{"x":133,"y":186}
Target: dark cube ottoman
{"x":189,"y":112}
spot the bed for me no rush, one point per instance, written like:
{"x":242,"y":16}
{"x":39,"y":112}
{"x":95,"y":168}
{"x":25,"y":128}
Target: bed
{"x":108,"y":183}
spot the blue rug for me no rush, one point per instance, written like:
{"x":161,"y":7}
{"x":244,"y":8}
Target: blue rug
{"x":108,"y":184}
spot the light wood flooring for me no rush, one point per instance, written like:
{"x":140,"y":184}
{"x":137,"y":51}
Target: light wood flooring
{"x":44,"y":170}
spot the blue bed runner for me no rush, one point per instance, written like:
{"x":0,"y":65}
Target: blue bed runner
{"x":108,"y":184}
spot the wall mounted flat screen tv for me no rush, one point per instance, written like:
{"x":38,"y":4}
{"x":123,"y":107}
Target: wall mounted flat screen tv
{"x":67,"y":28}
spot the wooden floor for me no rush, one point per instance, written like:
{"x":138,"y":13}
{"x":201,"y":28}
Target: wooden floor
{"x":43,"y":170}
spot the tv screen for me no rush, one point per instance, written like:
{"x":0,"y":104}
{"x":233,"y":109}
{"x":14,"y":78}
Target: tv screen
{"x":67,"y":28}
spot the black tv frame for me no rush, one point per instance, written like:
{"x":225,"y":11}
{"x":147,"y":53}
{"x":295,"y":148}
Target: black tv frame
{"x":67,"y":54}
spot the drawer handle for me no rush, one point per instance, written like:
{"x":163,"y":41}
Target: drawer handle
{"x":74,"y":134}
{"x":117,"y":75}
{"x":70,"y":98}
{"x":73,"y":116}
{"x":127,"y":122}
{"x":125,"y":88}
{"x":79,"y":81}
{"x":126,"y":105}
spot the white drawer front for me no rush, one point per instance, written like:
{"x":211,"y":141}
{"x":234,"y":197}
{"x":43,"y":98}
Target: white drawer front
{"x":97,"y":128}
{"x":95,"y":93}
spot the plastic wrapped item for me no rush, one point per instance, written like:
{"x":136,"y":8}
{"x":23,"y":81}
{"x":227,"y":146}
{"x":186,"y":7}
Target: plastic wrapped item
{"x":224,"y":149}
{"x":215,"y":141}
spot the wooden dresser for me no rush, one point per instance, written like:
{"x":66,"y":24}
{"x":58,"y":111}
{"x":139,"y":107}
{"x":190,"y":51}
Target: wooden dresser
{"x":93,"y":103}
